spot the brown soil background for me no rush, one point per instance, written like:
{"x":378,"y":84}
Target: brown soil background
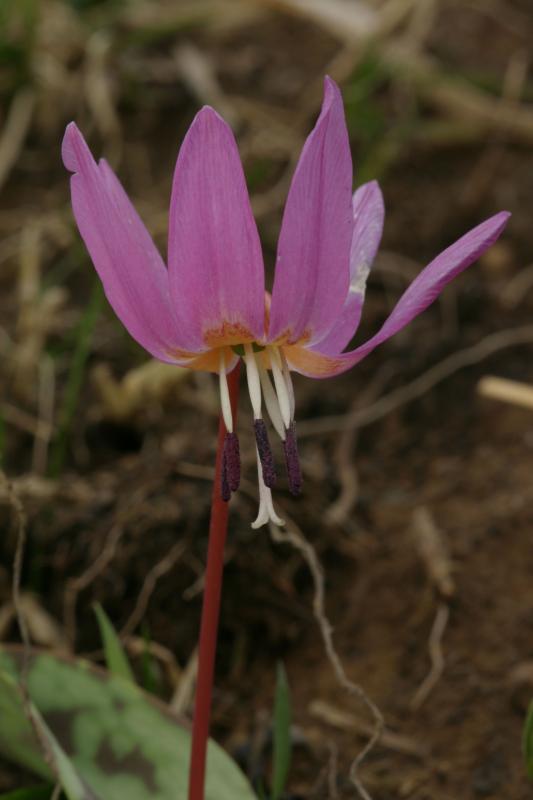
{"x":109,"y":493}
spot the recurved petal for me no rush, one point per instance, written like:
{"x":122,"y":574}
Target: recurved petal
{"x":130,"y":268}
{"x":419,"y":295}
{"x":368,"y":214}
{"x":215,"y":263}
{"x":313,"y":262}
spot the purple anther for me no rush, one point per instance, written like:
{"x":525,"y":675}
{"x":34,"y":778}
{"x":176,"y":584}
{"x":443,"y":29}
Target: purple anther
{"x":292,"y":461}
{"x":225,"y":491}
{"x":265,"y":453}
{"x":232,"y":458}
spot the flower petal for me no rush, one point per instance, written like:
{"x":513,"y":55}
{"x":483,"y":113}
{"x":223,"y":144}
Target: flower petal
{"x":215,"y":263}
{"x":131,"y":270}
{"x":312,"y":268}
{"x":418,"y":296}
{"x":368,"y":213}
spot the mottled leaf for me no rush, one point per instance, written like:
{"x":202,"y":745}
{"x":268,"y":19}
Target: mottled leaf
{"x":121,"y":742}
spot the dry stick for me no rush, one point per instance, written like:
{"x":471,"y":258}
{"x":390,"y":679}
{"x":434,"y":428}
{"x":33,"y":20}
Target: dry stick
{"x":20,"y":525}
{"x":333,"y":771}
{"x":76,"y":585}
{"x":210,"y":611}
{"x":339,"y":510}
{"x":296,"y":539}
{"x":513,"y":392}
{"x":488,"y":346}
{"x":15,"y":130}
{"x":346,"y":721}
{"x":157,"y":571}
{"x":435,"y":654}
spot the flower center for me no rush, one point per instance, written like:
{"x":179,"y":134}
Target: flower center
{"x":278,"y":395}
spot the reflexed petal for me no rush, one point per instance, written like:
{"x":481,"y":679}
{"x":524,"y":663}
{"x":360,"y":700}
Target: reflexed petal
{"x":419,"y":295}
{"x":131,"y":270}
{"x":312,"y":269}
{"x":368,"y":214}
{"x":215,"y":263}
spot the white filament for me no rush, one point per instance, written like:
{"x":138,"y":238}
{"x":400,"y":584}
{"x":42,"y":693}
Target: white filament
{"x":266,"y":511}
{"x":254,"y":383}
{"x":271,"y":402}
{"x":288,"y":382}
{"x":225,"y":403}
{"x":281,"y":386}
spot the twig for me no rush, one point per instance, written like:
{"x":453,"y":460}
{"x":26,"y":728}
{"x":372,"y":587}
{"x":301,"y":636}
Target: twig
{"x":184,"y":692}
{"x":488,"y":346}
{"x":513,"y":292}
{"x":333,"y":769}
{"x":15,"y":131}
{"x":294,"y":537}
{"x":150,"y":582}
{"x":75,"y":585}
{"x":436,"y":656}
{"x":432,"y":548}
{"x":339,"y":510}
{"x":344,"y":720}
{"x":20,"y":527}
{"x":43,"y":434}
{"x":513,"y":392}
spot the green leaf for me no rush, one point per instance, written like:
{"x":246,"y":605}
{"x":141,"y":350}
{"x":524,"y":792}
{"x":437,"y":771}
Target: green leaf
{"x":115,"y":657}
{"x":18,"y":739}
{"x":32,"y":793}
{"x":527,"y":742}
{"x":75,"y":380}
{"x":282,"y":734}
{"x":106,"y":735}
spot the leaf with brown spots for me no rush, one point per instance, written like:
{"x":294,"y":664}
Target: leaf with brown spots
{"x":109,"y":737}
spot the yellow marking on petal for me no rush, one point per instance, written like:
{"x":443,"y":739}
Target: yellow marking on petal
{"x":310,"y":363}
{"x":287,"y":338}
{"x":207,"y":362}
{"x":227,"y":334}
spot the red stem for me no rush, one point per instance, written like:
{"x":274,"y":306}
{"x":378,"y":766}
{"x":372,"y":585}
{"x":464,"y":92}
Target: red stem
{"x":218,"y":528}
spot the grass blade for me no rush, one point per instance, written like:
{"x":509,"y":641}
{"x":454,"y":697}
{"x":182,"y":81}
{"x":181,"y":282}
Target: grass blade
{"x":282,"y":735}
{"x":116,"y":659}
{"x":527,"y":742}
{"x":75,"y":380}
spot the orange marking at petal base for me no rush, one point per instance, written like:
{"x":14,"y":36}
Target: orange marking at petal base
{"x":227,"y":334}
{"x":315,"y":365}
{"x":287,"y":338}
{"x":205,"y":362}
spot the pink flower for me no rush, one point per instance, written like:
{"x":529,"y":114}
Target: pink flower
{"x":209,"y":308}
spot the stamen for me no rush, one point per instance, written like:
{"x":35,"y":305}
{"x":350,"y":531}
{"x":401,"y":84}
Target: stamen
{"x":292,"y":461}
{"x":281,"y":386}
{"x":271,"y":402}
{"x":254,"y":384}
{"x":288,"y":381}
{"x":225,"y":404}
{"x":266,"y":511}
{"x":232,"y":461}
{"x":225,"y":491}
{"x":265,"y":453}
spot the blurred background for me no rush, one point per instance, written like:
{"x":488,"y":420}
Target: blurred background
{"x":418,"y":492}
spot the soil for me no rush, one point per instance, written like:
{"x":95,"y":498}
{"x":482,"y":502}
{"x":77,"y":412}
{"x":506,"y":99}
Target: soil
{"x":144,"y":481}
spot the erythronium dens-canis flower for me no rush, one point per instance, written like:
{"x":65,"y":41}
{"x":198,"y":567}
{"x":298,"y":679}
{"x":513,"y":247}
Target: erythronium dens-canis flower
{"x":209,"y":307}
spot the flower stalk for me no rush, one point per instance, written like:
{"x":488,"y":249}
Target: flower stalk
{"x":218,"y":527}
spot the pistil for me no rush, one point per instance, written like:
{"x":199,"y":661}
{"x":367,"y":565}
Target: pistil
{"x":261,"y":436}
{"x":266,"y":511}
